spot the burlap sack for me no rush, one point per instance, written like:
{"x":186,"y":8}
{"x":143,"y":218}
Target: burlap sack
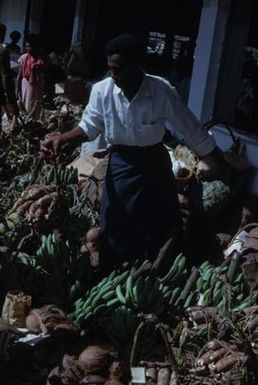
{"x":16,"y":307}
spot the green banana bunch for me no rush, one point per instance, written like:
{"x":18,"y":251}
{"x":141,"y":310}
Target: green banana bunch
{"x":100,"y":299}
{"x":48,"y":176}
{"x":145,"y":294}
{"x":191,"y":299}
{"x":63,"y":175}
{"x":176,"y":273}
{"x":214,"y":290}
{"x":122,"y":289}
{"x":48,"y":253}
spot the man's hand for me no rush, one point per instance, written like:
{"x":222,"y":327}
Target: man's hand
{"x":51,"y":144}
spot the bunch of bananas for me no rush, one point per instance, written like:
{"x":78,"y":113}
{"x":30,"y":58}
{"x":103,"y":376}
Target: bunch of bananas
{"x":61,"y":176}
{"x":37,"y":202}
{"x":100,"y":299}
{"x":174,"y":281}
{"x":215,"y":290}
{"x":177,"y":272}
{"x":64,"y":271}
{"x":49,"y":254}
{"x":141,"y":293}
{"x":145,"y":294}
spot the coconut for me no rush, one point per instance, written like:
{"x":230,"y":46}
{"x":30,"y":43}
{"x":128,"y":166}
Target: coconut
{"x":96,"y":359}
{"x":68,"y":361}
{"x":54,"y":376}
{"x":115,"y":371}
{"x":73,"y":374}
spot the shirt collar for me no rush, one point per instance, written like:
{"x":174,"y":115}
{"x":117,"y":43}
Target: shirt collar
{"x":143,"y":90}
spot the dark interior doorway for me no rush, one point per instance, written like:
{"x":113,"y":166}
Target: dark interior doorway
{"x":56,"y":25}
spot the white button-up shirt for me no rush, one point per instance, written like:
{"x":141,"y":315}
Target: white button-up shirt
{"x":141,"y":121}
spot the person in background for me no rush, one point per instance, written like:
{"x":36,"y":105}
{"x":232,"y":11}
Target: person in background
{"x":15,"y":52}
{"x":13,"y":46}
{"x":30,"y":80}
{"x":139,"y":207}
{"x":7,"y":87}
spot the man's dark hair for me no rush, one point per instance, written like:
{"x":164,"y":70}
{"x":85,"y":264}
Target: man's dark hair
{"x":15,"y":35}
{"x":127,"y":45}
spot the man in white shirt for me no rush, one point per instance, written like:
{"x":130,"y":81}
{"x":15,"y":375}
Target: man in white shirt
{"x":139,"y":208}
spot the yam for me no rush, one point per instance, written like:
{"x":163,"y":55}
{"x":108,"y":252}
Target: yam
{"x":226,"y":363}
{"x":217,"y":354}
{"x":22,"y":208}
{"x":253,"y":323}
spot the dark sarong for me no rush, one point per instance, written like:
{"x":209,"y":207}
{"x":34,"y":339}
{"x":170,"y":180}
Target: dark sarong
{"x":139,"y":208}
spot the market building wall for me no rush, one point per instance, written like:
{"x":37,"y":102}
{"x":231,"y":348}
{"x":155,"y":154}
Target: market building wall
{"x":12,"y":14}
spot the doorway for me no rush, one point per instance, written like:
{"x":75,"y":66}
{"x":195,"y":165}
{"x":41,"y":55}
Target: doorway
{"x":56,"y":25}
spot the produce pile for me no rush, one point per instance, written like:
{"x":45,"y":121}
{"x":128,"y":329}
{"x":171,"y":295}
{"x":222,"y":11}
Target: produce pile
{"x":182,"y":324}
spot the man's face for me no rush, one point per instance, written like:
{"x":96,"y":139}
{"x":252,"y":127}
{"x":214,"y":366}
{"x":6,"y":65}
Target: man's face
{"x":28,"y":47}
{"x":121,"y":71}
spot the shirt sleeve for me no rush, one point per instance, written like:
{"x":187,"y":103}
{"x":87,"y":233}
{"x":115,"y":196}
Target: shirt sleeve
{"x":182,"y":119}
{"x":92,"y":121}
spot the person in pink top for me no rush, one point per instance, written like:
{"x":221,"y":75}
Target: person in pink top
{"x":30,"y":80}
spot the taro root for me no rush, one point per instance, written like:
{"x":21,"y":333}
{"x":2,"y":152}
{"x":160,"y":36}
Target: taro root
{"x":47,"y":319}
{"x":96,"y":359}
